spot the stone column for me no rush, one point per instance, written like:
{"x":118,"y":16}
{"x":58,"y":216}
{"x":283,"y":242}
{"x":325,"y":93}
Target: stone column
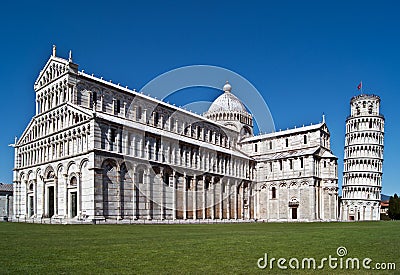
{"x":147,"y":149}
{"x":26,"y":199}
{"x":101,"y":102}
{"x":322,"y":201}
{"x":242,"y":210}
{"x":194,"y":192}
{"x":79,"y":193}
{"x":184,"y":196}
{"x":228,"y":202}
{"x":56,"y":196}
{"x":212,"y":198}
{"x":119,"y":183}
{"x":66,"y":196}
{"x":236,"y":200}
{"x":144,"y":118}
{"x":119,"y":141}
{"x":249,"y":194}
{"x":174,"y":195}
{"x":113,"y":106}
{"x":221,"y":204}
{"x":313,"y":202}
{"x":44,"y":199}
{"x":161,"y":152}
{"x":134,"y":194}
{"x":8,"y":205}
{"x":109,"y":147}
{"x":179,"y":155}
{"x":35,"y":198}
{"x":204,"y":199}
{"x":148,"y":183}
{"x":162,"y":193}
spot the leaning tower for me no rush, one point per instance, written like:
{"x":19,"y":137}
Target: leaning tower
{"x":363,"y":158}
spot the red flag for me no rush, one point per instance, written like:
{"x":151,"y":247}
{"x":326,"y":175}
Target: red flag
{"x":359,"y":86}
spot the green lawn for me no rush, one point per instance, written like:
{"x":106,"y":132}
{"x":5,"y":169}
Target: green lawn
{"x":202,"y":248}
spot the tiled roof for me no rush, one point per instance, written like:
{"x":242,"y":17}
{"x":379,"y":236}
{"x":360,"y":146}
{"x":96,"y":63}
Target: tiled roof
{"x":5,"y":187}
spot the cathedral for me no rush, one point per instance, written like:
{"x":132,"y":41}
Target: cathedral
{"x":98,"y":151}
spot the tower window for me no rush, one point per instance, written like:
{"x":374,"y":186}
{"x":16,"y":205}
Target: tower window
{"x":287,"y":142}
{"x":270,"y":166}
{"x":280,"y":165}
{"x":305,"y":139}
{"x":370,"y":124}
{"x":291,"y":164}
{"x":270,"y":145}
{"x":325,"y":164}
{"x":301,"y":163}
{"x":255,"y":147}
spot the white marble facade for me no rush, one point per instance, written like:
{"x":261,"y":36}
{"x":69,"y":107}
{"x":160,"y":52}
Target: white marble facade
{"x":96,"y":150}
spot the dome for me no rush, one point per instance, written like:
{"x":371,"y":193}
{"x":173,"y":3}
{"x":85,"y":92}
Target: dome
{"x":227,"y":102}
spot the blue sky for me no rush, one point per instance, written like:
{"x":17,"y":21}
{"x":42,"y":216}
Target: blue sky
{"x":305,"y":57}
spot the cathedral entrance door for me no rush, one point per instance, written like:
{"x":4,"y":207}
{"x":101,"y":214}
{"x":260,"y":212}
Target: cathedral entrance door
{"x":74,"y":204}
{"x":294,"y":213}
{"x":51,"y":201}
{"x":31,"y":206}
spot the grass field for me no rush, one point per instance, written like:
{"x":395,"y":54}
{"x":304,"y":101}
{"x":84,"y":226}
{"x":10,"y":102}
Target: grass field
{"x":202,"y":248}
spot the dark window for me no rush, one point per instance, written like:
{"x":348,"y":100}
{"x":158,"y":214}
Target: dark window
{"x":255,"y":147}
{"x":73,"y":181}
{"x":273,"y":193}
{"x":156,"y":118}
{"x":280,"y":165}
{"x":370,"y":124}
{"x":112,"y":138}
{"x":301,"y":162}
{"x":305,"y":139}
{"x":325,"y":164}
{"x":270,"y":145}
{"x":94,"y":97}
{"x":270,"y":166}
{"x":118,"y":106}
{"x":139,"y":112}
{"x":291,"y":164}
{"x":141,"y":176}
{"x":287,"y":142}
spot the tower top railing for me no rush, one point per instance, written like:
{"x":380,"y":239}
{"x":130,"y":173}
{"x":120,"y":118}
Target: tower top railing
{"x":364,"y":96}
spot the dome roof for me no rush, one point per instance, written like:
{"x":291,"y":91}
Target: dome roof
{"x":227,"y":102}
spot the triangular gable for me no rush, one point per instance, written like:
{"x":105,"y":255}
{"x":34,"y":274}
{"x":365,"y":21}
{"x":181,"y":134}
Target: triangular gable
{"x":54,"y":68}
{"x":325,"y":128}
{"x":25,"y":133}
{"x":86,"y":114}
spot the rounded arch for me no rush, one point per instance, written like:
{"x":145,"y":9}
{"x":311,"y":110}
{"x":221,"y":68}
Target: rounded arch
{"x":110,"y":161}
{"x":83,"y":162}
{"x":71,"y":166}
{"x":49,"y":172}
